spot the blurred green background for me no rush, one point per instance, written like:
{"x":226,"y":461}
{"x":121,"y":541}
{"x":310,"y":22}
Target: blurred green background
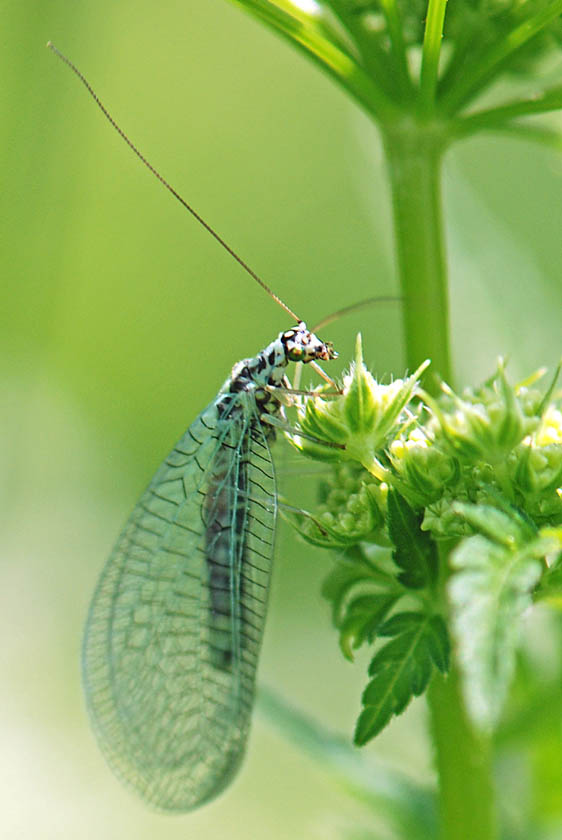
{"x":120,"y":318}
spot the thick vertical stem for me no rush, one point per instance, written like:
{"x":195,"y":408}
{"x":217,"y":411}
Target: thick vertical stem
{"x":463,"y":759}
{"x":414,"y":152}
{"x":463,"y":756}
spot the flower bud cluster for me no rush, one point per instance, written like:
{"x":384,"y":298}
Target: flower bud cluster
{"x":535,"y":468}
{"x":436,"y":452}
{"x":352,"y":510}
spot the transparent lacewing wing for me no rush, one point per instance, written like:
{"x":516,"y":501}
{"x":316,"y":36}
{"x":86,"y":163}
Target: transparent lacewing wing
{"x":176,"y":622}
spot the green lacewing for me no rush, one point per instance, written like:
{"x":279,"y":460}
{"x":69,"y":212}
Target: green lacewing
{"x":176,"y":622}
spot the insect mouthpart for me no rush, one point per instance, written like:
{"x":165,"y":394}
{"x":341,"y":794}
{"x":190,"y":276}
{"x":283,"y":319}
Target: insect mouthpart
{"x":329,"y":352}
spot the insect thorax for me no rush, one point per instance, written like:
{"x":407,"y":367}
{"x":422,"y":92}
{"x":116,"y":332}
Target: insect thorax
{"x":265,"y":371}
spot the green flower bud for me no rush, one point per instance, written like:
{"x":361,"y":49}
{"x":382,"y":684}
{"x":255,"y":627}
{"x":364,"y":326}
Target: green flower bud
{"x":362,"y":420}
{"x":443,"y":521}
{"x":536,"y":468}
{"x":349,"y":514}
{"x":550,"y":430}
{"x":358,"y":520}
{"x":482,"y":425}
{"x":424,"y":469}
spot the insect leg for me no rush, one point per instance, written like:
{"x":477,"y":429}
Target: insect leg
{"x":283,"y":426}
{"x":281,"y":393}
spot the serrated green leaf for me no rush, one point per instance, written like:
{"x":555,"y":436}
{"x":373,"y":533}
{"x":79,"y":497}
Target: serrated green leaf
{"x":489,"y":594}
{"x":550,"y":587}
{"x":372,"y":720}
{"x":362,"y":620}
{"x":338,"y":583}
{"x":548,"y":546}
{"x":348,"y":575}
{"x":415,"y":552}
{"x":507,"y":526}
{"x":401,"y":668}
{"x":361,"y":598}
{"x":438,"y":644}
{"x":401,"y":623}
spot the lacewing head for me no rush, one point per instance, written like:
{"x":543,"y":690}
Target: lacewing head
{"x":301,"y":345}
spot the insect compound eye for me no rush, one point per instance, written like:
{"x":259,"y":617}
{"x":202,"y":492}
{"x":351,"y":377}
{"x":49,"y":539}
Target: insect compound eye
{"x":295,"y":353}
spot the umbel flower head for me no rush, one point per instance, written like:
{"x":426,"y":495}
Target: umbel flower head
{"x":482,"y":424}
{"x":440,"y":454}
{"x":506,"y":439}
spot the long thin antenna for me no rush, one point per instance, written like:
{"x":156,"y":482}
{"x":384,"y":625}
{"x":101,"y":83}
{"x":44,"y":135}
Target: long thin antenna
{"x":333,"y":316}
{"x":168,"y":186}
{"x":355,"y":307}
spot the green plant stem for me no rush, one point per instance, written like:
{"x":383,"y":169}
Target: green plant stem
{"x":372,"y":57}
{"x":414,"y":150}
{"x":463,"y":756}
{"x":430,"y":54}
{"x":463,"y":760}
{"x":398,"y":47}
